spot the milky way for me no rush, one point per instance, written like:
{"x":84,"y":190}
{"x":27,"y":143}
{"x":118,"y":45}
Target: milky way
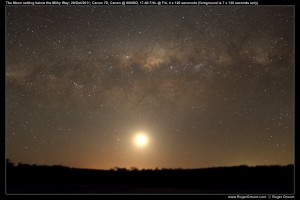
{"x":212,"y":86}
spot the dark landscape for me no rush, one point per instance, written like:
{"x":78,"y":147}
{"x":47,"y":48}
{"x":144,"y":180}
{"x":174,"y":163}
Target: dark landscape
{"x":33,"y":179}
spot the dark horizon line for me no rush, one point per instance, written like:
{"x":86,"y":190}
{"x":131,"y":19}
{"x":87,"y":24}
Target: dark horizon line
{"x":141,"y":169}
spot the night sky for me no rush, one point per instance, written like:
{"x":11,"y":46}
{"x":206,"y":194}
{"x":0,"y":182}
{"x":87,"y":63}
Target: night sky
{"x":209,"y":86}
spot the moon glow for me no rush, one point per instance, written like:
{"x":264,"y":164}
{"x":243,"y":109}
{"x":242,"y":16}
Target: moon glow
{"x":141,"y":140}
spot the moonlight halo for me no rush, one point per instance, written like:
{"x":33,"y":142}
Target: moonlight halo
{"x":141,"y":140}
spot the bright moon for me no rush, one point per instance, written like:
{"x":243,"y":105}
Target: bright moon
{"x":141,"y":140}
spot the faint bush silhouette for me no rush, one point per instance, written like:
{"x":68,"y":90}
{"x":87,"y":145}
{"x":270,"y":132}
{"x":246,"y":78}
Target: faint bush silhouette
{"x":25,"y":178}
{"x":9,"y":164}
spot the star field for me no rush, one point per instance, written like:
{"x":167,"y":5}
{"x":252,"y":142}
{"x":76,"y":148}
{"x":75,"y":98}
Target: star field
{"x":211,"y":86}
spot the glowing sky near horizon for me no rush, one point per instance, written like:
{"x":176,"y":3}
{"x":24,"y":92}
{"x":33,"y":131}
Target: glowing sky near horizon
{"x":211,"y":86}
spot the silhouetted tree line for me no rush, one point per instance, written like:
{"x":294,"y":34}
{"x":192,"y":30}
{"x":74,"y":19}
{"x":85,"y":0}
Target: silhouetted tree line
{"x":25,"y":178}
